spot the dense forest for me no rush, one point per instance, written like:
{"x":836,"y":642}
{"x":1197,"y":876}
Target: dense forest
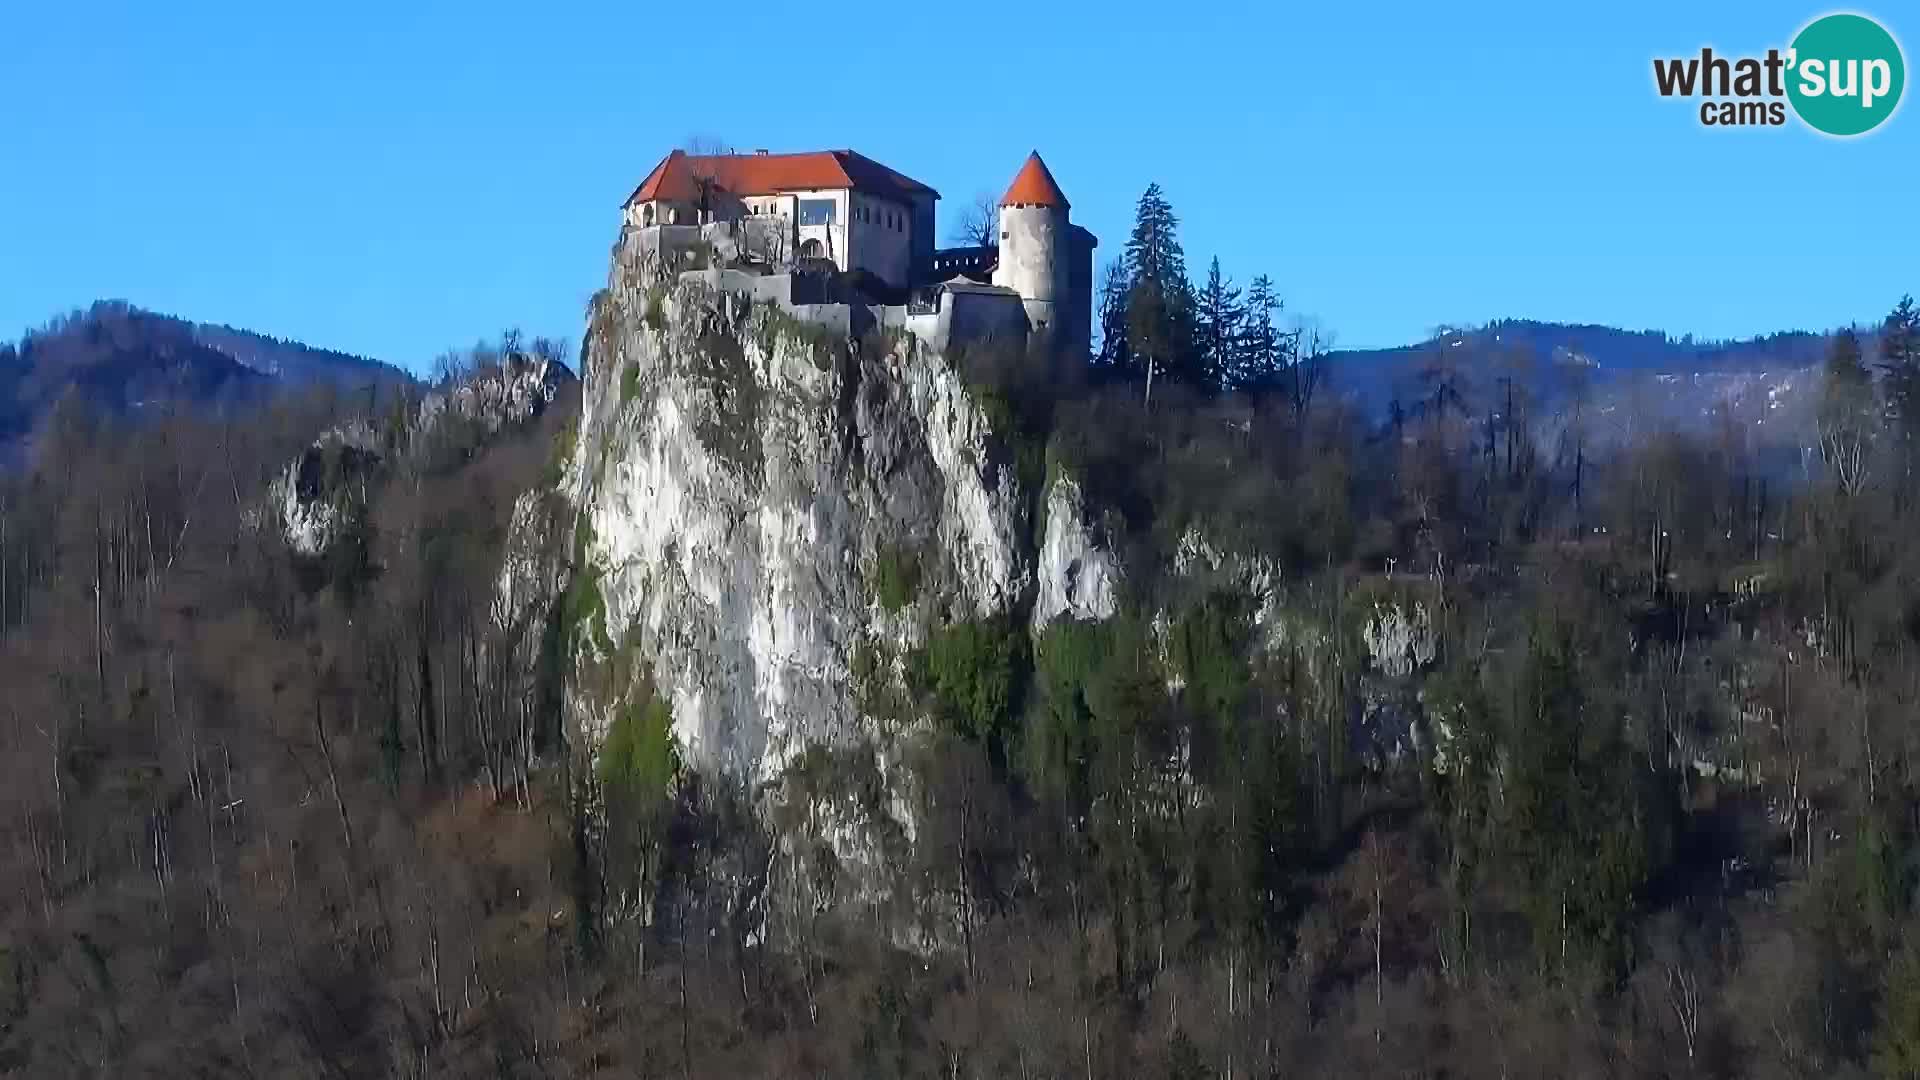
{"x":1636,"y":798}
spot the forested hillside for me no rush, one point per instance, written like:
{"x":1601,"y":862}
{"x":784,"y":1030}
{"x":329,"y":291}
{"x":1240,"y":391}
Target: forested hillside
{"x":1405,"y":747}
{"x":119,"y":360}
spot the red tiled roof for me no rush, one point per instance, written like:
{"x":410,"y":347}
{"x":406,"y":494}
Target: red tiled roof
{"x":678,"y":174}
{"x":1034,"y":186}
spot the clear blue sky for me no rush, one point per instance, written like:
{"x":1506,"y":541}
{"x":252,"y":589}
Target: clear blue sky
{"x":396,"y":178}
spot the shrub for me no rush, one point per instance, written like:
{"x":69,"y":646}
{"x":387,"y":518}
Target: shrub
{"x":896,"y":574}
{"x":875,"y":692}
{"x":1206,"y":650}
{"x":974,"y":670}
{"x":582,"y":608}
{"x":1098,"y":694}
{"x":629,"y":384}
{"x":584,"y":611}
{"x":563,"y":445}
{"x":731,"y":428}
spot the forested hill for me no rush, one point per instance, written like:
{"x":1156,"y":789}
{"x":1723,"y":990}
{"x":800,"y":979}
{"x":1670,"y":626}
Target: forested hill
{"x":296,"y":362}
{"x":1607,"y":348}
{"x":121,"y":360}
{"x":774,"y":704}
{"x":1560,"y":369}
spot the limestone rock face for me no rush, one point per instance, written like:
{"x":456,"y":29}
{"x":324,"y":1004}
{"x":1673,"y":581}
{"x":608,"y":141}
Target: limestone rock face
{"x":319,"y":496}
{"x":1078,"y":577}
{"x":515,"y":391}
{"x":739,"y":477}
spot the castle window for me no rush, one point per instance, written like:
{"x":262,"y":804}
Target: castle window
{"x":816,"y":211}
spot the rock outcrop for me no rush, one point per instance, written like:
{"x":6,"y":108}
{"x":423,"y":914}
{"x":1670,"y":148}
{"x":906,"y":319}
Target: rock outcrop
{"x":765,"y":526}
{"x":321,"y":495}
{"x":1079,"y":577}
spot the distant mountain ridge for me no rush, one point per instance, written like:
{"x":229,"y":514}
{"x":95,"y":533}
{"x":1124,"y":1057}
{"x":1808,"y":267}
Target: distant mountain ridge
{"x":123,"y":360}
{"x":1607,"y":348}
{"x":294,"y":361}
{"x":1637,"y":378}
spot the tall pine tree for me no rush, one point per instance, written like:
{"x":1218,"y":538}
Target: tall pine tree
{"x":1116,"y":350}
{"x":1262,"y":352}
{"x":1900,"y":363}
{"x":1217,"y":326}
{"x":1159,"y":296}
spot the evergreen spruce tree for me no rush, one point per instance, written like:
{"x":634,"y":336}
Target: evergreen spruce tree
{"x":1116,"y":350}
{"x":1900,"y":364}
{"x":1262,"y":350}
{"x":1217,"y":326}
{"x":1846,"y":414}
{"x":1159,"y":296}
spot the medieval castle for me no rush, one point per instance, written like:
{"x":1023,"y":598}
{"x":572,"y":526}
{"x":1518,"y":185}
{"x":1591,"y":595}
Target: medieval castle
{"x":779,"y":225}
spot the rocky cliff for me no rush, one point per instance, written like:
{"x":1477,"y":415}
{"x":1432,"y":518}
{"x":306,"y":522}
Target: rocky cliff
{"x":758,"y":500}
{"x":765,"y":526}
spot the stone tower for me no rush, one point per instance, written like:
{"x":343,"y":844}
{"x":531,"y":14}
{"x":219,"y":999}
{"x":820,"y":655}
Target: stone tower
{"x":1046,"y":258}
{"x":1035,"y":241}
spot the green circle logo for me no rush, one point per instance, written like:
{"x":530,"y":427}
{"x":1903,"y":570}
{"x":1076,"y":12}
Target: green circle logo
{"x":1845,"y":74}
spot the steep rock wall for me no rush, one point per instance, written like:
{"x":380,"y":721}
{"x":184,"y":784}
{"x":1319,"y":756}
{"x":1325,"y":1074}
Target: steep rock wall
{"x":740,"y":480}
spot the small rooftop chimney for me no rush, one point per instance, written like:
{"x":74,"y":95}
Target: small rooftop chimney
{"x":761,"y":153}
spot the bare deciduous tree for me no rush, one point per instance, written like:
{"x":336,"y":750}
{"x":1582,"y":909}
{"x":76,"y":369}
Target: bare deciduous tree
{"x":979,"y":222}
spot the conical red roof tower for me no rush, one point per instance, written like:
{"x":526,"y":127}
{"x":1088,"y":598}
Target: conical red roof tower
{"x":1034,"y":186}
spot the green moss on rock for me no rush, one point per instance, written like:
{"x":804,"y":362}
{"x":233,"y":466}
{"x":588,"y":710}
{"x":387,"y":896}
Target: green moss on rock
{"x":640,"y":758}
{"x":896,"y":576}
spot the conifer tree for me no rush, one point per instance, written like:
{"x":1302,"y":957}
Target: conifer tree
{"x":1846,"y":421}
{"x":1115,"y":348}
{"x":1262,"y":347}
{"x":1900,"y":364}
{"x":1159,"y":296}
{"x":1217,"y":326}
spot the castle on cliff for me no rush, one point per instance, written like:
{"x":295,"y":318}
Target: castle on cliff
{"x":774,"y":221}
